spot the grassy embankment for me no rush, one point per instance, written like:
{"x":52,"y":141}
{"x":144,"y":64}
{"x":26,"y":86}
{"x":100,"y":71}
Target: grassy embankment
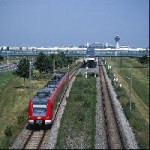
{"x":13,"y":103}
{"x":78,"y":122}
{"x":139,"y":115}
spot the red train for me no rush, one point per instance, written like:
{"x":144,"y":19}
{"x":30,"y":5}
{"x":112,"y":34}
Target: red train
{"x":43,"y":107}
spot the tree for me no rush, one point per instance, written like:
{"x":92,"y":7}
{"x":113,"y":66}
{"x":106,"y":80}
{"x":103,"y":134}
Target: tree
{"x":40,"y":62}
{"x":43,"y":63}
{"x":143,"y":60}
{"x":1,"y":58}
{"x":23,"y":69}
{"x":7,"y":48}
{"x":48,"y":64}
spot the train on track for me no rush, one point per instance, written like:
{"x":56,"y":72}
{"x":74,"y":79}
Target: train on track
{"x":43,"y":107}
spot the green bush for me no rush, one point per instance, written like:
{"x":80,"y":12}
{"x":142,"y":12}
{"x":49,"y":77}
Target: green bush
{"x":132,"y":105}
{"x":20,"y":119}
{"x":127,"y":112}
{"x":87,"y":103}
{"x":35,"y":74}
{"x":120,"y":92}
{"x":8,"y":131}
{"x":80,"y":97}
{"x":86,"y":91}
{"x":81,"y":116}
{"x":138,"y":124}
{"x":5,"y":143}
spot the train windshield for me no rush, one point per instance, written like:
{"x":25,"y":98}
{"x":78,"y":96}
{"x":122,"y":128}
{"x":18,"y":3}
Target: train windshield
{"x":53,"y":82}
{"x":39,"y":111}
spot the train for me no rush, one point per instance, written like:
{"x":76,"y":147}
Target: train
{"x":43,"y":107}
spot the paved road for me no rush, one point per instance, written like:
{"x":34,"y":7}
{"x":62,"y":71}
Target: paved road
{"x":10,"y":67}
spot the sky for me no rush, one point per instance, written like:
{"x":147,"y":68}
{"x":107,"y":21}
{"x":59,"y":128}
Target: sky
{"x":44,"y":23}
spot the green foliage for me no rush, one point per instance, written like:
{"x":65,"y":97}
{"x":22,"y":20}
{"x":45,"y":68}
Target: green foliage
{"x":48,"y":64}
{"x":80,"y":115}
{"x":143,"y":60}
{"x":4,"y":144}
{"x":41,"y":62}
{"x":21,"y":118}
{"x":4,"y":79}
{"x":110,"y":74}
{"x":23,"y":68}
{"x":35,"y":74}
{"x":80,"y":97}
{"x":1,"y":58}
{"x":140,"y":85}
{"x":78,"y":120}
{"x":132,"y":105}
{"x":12,"y":96}
{"x":8,"y":131}
{"x":45,"y":63}
{"x":87,"y":103}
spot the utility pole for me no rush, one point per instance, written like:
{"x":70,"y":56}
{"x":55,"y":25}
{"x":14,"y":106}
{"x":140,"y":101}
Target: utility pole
{"x":7,"y":58}
{"x":54,"y":65}
{"x":86,"y":70}
{"x":120,"y":62}
{"x":30,"y":79}
{"x":68,"y":75}
{"x":130,"y":86}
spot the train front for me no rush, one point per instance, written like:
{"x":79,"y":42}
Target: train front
{"x":40,"y":108}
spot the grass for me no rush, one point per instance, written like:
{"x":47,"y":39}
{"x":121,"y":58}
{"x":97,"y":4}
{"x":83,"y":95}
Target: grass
{"x":77,"y":129}
{"x":4,"y":78}
{"x":13,"y":103}
{"x":14,"y":99}
{"x":139,"y":115}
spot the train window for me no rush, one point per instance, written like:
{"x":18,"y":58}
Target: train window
{"x":53,"y":82}
{"x":39,"y":111}
{"x":56,"y":78}
{"x":42,"y":94}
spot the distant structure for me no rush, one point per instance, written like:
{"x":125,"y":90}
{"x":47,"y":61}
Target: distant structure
{"x":117,"y":38}
{"x":96,"y":45}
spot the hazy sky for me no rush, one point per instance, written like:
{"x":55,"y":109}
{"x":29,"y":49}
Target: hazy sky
{"x":54,"y":22}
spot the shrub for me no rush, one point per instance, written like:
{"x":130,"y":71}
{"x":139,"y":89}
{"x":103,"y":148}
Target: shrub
{"x":80,"y":97}
{"x":121,"y":94}
{"x":81,"y":116}
{"x":20,"y":119}
{"x":8,"y":131}
{"x":87,"y":103}
{"x":35,"y":74}
{"x":132,"y":105}
{"x":86,"y":91}
{"x":127,"y":111}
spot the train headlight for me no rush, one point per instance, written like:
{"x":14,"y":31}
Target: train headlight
{"x":47,"y":117}
{"x":29,"y":117}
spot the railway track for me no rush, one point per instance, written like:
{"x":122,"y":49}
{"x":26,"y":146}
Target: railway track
{"x":114,"y":140}
{"x":36,"y":137}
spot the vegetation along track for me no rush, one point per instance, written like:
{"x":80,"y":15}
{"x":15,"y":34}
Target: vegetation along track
{"x":112,"y":130}
{"x":36,"y":136}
